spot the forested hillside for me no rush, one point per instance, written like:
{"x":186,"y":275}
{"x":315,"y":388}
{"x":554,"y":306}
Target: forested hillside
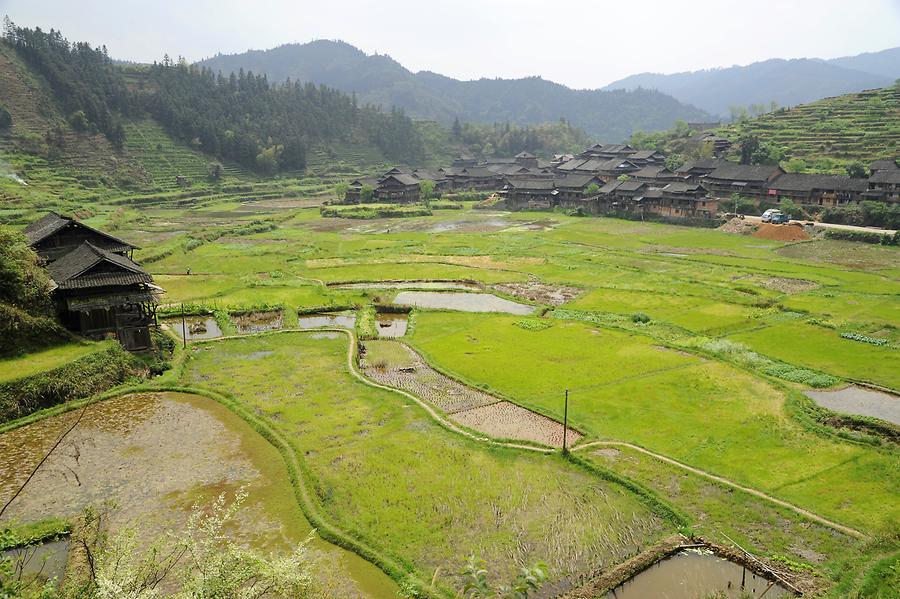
{"x":608,"y":116}
{"x":264,"y":127}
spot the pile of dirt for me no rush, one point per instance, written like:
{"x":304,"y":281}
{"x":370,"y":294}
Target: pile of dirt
{"x":739,"y":226}
{"x":781,"y":232}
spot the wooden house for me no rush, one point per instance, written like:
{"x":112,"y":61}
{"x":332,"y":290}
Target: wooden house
{"x":817,"y":190}
{"x":397,"y":189}
{"x":97,"y":288}
{"x":354,"y":191}
{"x":884,"y":185}
{"x":572,"y":188}
{"x":527,"y":159}
{"x":98,"y":292}
{"x":750,"y":181}
{"x":695,"y":170}
{"x":530,"y":194}
{"x":53,"y":236}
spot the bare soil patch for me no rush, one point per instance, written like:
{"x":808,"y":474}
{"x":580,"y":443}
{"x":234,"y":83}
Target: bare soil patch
{"x":781,"y":232}
{"x":421,"y":380}
{"x":786,"y":285}
{"x":507,"y":420}
{"x":541,"y":293}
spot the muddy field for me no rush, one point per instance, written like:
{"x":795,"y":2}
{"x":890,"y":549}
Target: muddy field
{"x":416,"y":377}
{"x":258,"y":322}
{"x":465,"y":302}
{"x":860,"y":402}
{"x":540,"y":293}
{"x":506,"y":420}
{"x":315,"y":321}
{"x":153,"y":456}
{"x":194,"y":327}
{"x":439,"y":285}
{"x":470,"y":407}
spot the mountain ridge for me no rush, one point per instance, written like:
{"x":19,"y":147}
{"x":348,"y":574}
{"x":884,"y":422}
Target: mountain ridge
{"x":785,"y":82}
{"x":381,"y":80}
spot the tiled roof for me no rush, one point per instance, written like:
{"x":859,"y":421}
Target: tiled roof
{"x":69,"y":271}
{"x":52,"y":222}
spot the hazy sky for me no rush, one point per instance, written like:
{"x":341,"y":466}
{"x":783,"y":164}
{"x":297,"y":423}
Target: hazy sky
{"x":580,"y":43}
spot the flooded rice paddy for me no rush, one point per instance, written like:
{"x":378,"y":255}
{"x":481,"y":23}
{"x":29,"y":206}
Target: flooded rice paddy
{"x":859,"y":401}
{"x":39,"y":563}
{"x":391,"y":325}
{"x":258,"y":322}
{"x":317,"y":321}
{"x":465,"y":302}
{"x":694,"y":574}
{"x":154,"y":455}
{"x":445,"y":285}
{"x":195,"y":327}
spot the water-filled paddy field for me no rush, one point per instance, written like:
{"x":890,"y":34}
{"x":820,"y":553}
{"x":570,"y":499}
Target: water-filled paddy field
{"x":154,"y":455}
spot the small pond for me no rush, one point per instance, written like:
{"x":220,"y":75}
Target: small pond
{"x":258,"y":322}
{"x":317,"y":321}
{"x":40,"y":562}
{"x":198,"y":327}
{"x":449,"y":285}
{"x":693,"y":574}
{"x":466,"y":302}
{"x":391,"y":325}
{"x":860,"y":402}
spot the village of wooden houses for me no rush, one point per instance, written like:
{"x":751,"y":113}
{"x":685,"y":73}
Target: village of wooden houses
{"x":616,"y":178}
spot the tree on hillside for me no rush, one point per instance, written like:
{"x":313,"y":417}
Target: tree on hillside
{"x":5,"y":118}
{"x":856,"y":170}
{"x":24,"y":282}
{"x":457,"y":129}
{"x":749,"y":144}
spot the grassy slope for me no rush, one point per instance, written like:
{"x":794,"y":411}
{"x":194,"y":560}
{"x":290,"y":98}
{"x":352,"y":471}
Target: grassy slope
{"x":835,"y":131}
{"x":48,"y":359}
{"x":389,"y":473}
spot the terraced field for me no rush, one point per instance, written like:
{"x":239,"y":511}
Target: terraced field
{"x":835,"y":131}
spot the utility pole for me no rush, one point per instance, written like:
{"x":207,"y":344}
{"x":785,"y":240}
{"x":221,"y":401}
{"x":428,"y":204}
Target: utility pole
{"x":565,"y":421}
{"x":183,"y":327}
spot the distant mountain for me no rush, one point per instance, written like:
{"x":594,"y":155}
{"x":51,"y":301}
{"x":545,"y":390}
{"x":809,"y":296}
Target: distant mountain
{"x":885,"y":63}
{"x":787,"y":82}
{"x":607,"y":115}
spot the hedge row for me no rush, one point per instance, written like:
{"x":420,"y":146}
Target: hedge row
{"x":81,"y":378}
{"x":863,"y":236}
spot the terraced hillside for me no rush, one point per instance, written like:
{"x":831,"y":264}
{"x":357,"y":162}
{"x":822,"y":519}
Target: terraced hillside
{"x":833,"y":132}
{"x":164,"y":158}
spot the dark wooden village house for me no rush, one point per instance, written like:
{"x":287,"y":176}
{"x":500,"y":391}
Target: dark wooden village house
{"x":98,"y":289}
